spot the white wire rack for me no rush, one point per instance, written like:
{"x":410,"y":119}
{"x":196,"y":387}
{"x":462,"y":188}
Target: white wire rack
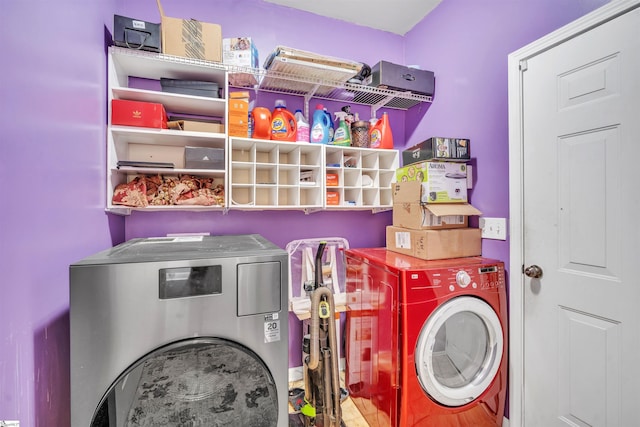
{"x":310,"y":83}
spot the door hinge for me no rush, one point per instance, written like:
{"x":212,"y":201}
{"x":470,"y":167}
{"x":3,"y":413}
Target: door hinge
{"x":523,"y":65}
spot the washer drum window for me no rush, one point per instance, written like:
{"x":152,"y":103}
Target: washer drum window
{"x":459,"y":351}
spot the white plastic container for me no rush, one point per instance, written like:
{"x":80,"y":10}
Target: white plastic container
{"x":302,"y":134}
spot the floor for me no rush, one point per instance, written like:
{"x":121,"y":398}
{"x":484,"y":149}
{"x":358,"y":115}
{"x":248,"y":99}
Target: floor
{"x":351,"y":416}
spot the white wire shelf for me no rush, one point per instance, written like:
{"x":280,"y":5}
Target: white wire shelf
{"x":310,"y":85}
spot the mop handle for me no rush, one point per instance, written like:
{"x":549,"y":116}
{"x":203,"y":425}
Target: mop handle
{"x":319,"y":253}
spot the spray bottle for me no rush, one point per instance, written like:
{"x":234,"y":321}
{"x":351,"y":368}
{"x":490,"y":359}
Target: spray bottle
{"x":342,"y":135}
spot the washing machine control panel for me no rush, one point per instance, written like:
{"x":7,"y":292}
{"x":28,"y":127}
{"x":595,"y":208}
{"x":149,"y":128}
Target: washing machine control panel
{"x":483,"y":277}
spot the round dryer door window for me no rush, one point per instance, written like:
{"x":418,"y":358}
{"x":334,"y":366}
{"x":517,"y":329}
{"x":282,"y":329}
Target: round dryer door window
{"x":198,"y":382}
{"x":459,"y":351}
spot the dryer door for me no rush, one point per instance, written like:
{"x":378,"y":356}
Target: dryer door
{"x":459,"y":351}
{"x":195,"y":382}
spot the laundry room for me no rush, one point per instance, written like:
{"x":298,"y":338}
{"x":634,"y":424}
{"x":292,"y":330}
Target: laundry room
{"x":278,"y":218}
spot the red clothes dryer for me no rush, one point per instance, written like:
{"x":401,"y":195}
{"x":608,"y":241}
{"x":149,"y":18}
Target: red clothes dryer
{"x":426,"y":340}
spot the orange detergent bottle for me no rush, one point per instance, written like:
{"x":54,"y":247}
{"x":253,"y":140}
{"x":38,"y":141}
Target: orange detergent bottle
{"x":380,"y":134}
{"x":283,"y":123}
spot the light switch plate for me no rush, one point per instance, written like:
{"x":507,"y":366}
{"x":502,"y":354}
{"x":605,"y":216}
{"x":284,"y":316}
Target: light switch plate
{"x":494,"y":228}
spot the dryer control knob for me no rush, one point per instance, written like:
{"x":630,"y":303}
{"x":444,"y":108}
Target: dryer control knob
{"x":463,"y":279}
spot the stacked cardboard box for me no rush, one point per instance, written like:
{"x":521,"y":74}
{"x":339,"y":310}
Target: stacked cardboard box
{"x":238,"y":120}
{"x":430,"y":230}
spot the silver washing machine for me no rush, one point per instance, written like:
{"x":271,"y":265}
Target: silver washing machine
{"x":185,"y":331}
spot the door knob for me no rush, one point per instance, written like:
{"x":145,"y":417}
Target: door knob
{"x":533,"y":271}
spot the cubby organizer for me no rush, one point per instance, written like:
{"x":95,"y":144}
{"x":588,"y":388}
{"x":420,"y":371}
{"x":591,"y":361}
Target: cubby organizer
{"x":258,"y":174}
{"x":275,"y":175}
{"x":364,"y":177}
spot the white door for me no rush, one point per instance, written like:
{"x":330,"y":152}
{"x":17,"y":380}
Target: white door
{"x":580,"y":206}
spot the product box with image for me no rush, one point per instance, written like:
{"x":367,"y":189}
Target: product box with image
{"x":436,"y":148}
{"x":190,"y":38}
{"x":435,"y":244}
{"x":410,"y":212}
{"x":442,"y":182}
{"x":240,"y":52}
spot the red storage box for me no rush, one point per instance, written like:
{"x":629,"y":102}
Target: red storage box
{"x":135,"y":113}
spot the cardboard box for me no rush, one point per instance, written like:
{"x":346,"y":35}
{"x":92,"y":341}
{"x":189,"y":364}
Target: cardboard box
{"x":332,"y":180}
{"x":137,"y":113}
{"x":333,"y":198}
{"x":410,"y":212}
{"x":196,"y":126}
{"x":136,"y":34}
{"x":442,"y":182}
{"x":240,"y":52}
{"x":238,"y":120}
{"x":190,"y":38}
{"x":435,"y":244}
{"x":203,"y":158}
{"x":392,"y":76}
{"x":436,"y":148}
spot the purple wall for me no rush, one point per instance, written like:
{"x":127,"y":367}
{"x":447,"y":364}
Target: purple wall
{"x":466,"y":44}
{"x":53,"y":95}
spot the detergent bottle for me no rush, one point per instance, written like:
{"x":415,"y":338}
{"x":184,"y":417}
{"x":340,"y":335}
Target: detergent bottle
{"x":302,"y":134}
{"x":331,"y":127}
{"x":342,"y":135}
{"x":380,"y":134}
{"x":321,"y":126}
{"x":283,"y":123}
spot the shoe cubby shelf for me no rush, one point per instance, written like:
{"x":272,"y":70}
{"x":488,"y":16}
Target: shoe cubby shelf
{"x":285,"y":175}
{"x":257,"y":174}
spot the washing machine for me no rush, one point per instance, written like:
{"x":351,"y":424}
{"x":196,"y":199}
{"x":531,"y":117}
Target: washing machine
{"x":426,"y":341}
{"x":182,"y":331}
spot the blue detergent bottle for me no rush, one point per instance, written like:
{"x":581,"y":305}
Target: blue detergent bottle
{"x":321,"y":126}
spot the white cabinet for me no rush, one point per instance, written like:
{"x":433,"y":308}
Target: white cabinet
{"x":275,"y":175}
{"x":288,"y":175}
{"x":359,"y":178}
{"x":160,"y":145}
{"x":257,"y":174}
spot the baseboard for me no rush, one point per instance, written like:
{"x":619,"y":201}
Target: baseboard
{"x":505,"y":422}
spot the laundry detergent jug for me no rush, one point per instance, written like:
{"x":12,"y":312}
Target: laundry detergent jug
{"x":321,"y":126}
{"x":261,"y":123}
{"x":283,"y":123}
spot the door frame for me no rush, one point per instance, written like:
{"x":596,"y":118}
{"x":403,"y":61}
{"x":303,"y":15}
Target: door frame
{"x":517,"y":61}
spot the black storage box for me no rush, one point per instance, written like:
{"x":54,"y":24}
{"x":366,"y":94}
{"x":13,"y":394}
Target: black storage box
{"x":203,"y":158}
{"x":190,"y":87}
{"x":436,"y":148}
{"x":386,"y":75}
{"x":136,"y":34}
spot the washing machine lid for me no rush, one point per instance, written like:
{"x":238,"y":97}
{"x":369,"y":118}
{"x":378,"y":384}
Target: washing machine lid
{"x":459,"y":351}
{"x":152,"y":249}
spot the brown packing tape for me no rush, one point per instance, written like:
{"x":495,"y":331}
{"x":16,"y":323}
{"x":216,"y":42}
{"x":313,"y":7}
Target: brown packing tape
{"x":160,"y":8}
